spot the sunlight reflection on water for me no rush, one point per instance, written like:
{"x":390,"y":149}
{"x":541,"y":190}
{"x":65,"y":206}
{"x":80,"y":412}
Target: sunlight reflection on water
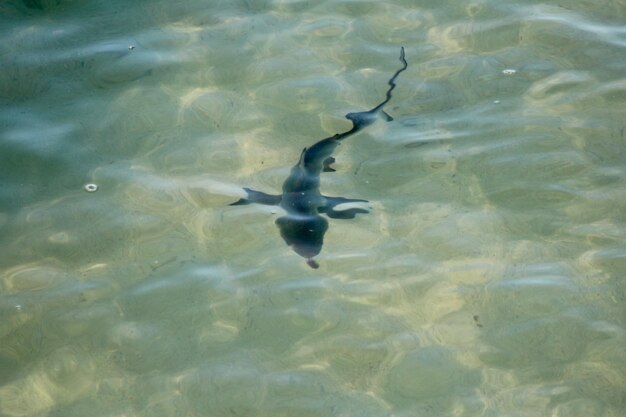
{"x":486,"y":279}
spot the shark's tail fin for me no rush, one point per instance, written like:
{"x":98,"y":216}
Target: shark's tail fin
{"x":365,"y":118}
{"x":392,"y":80}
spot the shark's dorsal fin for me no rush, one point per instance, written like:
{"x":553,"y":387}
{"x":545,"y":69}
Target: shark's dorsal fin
{"x":301,"y":159}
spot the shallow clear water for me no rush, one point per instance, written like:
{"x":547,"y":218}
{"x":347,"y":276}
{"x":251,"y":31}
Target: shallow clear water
{"x":487,"y":280}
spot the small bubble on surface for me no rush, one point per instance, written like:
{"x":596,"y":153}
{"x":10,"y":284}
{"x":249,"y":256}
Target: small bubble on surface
{"x":91,"y":188}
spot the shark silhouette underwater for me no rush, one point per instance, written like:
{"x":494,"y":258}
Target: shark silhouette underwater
{"x":303,"y":227}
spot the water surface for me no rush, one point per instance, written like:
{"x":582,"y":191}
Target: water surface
{"x":486,"y":281}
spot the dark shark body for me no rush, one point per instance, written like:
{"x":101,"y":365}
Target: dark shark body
{"x":303,"y":226}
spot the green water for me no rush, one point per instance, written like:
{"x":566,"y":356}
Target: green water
{"x":487,"y":280}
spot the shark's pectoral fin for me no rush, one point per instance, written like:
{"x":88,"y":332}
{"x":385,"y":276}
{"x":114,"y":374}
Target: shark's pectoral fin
{"x":386,"y":116}
{"x":326,"y":164}
{"x":241,"y":202}
{"x":345,"y":214}
{"x":332,"y":202}
{"x":258,"y":198}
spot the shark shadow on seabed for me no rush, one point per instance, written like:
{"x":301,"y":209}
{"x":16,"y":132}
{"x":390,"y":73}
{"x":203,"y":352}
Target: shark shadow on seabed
{"x":303,"y":226}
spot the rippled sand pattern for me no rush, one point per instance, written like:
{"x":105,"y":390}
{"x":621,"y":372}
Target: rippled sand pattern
{"x":486,"y":281}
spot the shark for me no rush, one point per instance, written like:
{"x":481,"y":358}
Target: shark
{"x":303,"y":225}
